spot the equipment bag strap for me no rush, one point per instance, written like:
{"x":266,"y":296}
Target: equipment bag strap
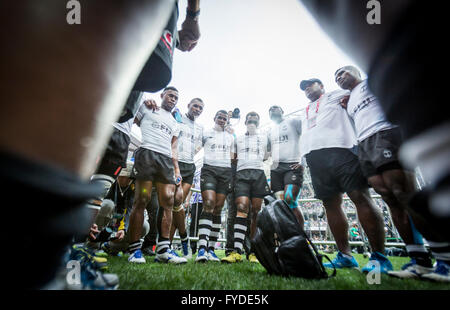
{"x":320,"y":257}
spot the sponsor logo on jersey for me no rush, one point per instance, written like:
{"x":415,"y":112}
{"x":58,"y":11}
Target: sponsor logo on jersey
{"x":163,"y":128}
{"x":364,"y":104}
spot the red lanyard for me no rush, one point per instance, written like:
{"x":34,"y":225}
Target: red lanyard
{"x":317,"y":107}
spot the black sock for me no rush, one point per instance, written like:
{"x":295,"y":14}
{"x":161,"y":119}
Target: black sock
{"x":420,"y":254}
{"x":440,"y":251}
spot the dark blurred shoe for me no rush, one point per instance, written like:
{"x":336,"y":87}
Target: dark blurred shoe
{"x":148,"y":251}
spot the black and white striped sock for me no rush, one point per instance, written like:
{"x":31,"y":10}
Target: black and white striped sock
{"x":240,"y":228}
{"x":134,"y":246}
{"x":162,"y":245}
{"x":214,"y":235}
{"x":204,"y":229}
{"x":440,"y":250}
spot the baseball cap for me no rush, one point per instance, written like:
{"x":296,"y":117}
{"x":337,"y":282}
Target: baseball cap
{"x":306,"y":83}
{"x":275,"y":107}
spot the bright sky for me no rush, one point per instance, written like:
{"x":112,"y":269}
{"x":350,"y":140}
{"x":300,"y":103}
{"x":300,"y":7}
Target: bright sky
{"x":253,"y":54}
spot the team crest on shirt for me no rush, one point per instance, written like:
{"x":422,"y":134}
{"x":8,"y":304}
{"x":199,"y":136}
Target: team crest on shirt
{"x":387,"y":153}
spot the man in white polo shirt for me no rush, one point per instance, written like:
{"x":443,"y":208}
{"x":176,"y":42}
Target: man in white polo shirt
{"x":156,"y":161}
{"x":189,"y":143}
{"x":379,"y":142}
{"x":286,"y":172}
{"x":326,"y":142}
{"x":215,"y":184}
{"x":250,"y":185}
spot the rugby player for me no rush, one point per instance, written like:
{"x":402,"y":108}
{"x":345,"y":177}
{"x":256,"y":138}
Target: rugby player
{"x":250,"y":185}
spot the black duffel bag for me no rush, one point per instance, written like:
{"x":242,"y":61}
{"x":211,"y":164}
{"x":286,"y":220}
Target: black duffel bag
{"x":282,"y":246}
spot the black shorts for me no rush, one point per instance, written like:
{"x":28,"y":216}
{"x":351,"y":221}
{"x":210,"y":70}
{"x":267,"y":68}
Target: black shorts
{"x":334,"y":171}
{"x":215,"y":178}
{"x":284,"y":175}
{"x":251,"y":183}
{"x":187,"y":172}
{"x":115,"y":155}
{"x":379,"y":152}
{"x":153,"y":166}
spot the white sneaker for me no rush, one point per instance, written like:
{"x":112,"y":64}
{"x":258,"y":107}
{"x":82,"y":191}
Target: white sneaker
{"x":136,"y":257}
{"x":202,"y":256}
{"x":441,"y":273}
{"x":212,"y":256}
{"x":410,"y":271}
{"x":170,"y":257}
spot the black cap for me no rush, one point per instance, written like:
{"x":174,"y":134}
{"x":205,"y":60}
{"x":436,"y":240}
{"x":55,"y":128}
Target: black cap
{"x":306,"y":83}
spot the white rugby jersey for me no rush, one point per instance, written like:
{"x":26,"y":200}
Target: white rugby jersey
{"x":125,"y":127}
{"x":189,"y":139}
{"x":326,"y":124}
{"x":364,"y":108}
{"x":251,"y":150}
{"x":217,"y":147}
{"x":284,"y":140}
{"x":158,"y":128}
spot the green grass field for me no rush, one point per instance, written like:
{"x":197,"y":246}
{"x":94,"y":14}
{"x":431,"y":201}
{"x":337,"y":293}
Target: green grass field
{"x":248,"y":276}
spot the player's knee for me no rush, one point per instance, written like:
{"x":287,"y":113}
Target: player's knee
{"x":178,"y":200}
{"x":386,"y":194}
{"x":142,"y":200}
{"x":359,"y":199}
{"x":208,"y":205}
{"x":242,"y":208}
{"x":167,"y":201}
{"x":379,"y":186}
{"x":399,"y":192}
